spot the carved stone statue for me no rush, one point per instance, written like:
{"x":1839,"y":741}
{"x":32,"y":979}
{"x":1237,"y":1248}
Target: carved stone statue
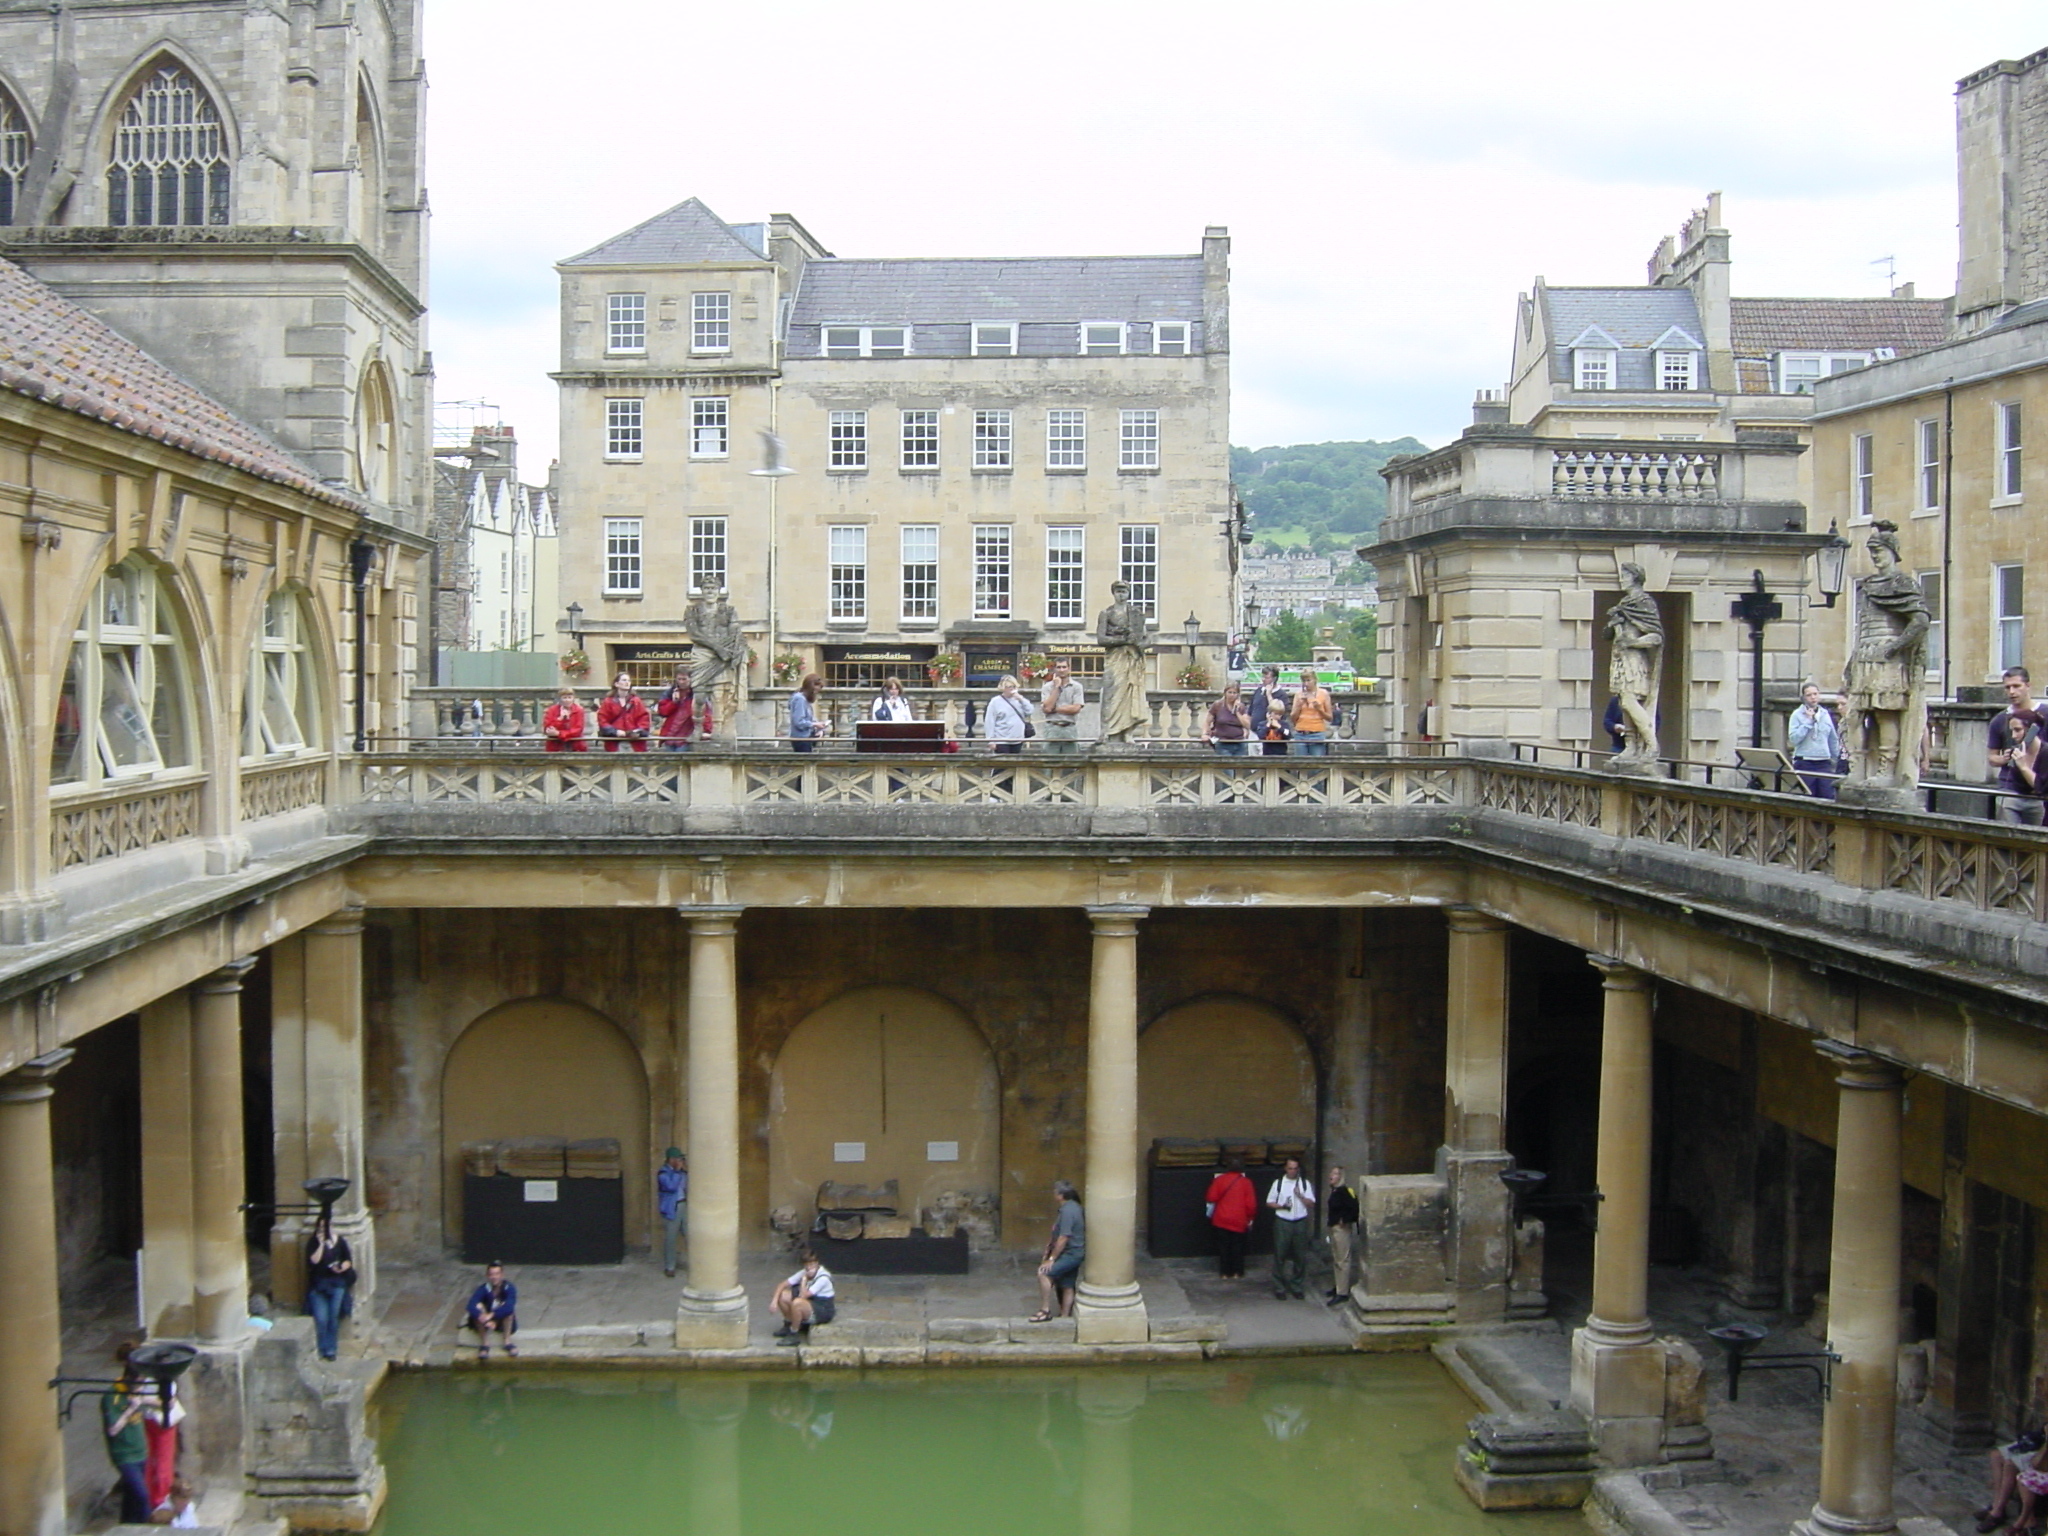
{"x":1121,"y":631}
{"x":718,"y":659}
{"x":1883,"y":685}
{"x":1635,"y":636}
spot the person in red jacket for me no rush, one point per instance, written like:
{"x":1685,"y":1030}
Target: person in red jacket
{"x":563,"y":724}
{"x":622,"y":717}
{"x":1232,"y":1204}
{"x":683,"y":714}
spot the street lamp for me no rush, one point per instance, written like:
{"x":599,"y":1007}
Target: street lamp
{"x":576,"y":626}
{"x":1191,"y":632}
{"x":1757,"y":608}
{"x":1831,"y":566}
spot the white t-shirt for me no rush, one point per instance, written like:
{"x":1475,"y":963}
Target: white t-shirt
{"x":1290,"y":1198}
{"x":821,"y":1282}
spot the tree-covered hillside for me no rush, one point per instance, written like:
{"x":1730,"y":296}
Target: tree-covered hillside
{"x":1323,"y":496}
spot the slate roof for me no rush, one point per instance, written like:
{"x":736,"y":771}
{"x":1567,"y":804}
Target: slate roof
{"x":688,"y":232}
{"x":54,"y":351}
{"x":1029,"y":290}
{"x":1836,"y":325}
{"x":1634,"y":317}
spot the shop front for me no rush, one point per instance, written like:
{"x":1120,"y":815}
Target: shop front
{"x":865,"y":666}
{"x":649,"y":666}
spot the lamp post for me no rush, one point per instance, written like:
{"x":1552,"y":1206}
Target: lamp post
{"x":1831,"y":566}
{"x":1757,"y":608}
{"x":1191,"y":632}
{"x":576,"y":626}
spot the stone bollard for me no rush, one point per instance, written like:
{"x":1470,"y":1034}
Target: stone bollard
{"x":1527,"y":1461}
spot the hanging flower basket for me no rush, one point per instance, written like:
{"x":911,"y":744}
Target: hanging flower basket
{"x":1196,"y":677}
{"x":1032,"y":667}
{"x":787,"y":668}
{"x":576,"y":663}
{"x":945,"y":668}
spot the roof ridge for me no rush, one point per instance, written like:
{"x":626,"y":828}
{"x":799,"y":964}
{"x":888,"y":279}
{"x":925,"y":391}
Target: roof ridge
{"x":691,"y":216}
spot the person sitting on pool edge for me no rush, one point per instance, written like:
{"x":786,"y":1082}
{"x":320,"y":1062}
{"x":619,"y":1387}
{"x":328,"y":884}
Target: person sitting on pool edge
{"x":806,"y":1297}
{"x":493,"y":1308}
{"x":1061,"y":1267}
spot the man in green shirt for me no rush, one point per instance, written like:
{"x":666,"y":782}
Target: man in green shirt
{"x":127,"y":1446}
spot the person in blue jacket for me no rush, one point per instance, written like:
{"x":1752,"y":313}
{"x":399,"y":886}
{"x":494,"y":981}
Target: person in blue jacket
{"x":493,"y":1309}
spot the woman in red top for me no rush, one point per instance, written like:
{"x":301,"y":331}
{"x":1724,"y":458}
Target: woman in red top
{"x":1232,"y":1204}
{"x":683,"y":714}
{"x":563,"y":724}
{"x":622,"y":717}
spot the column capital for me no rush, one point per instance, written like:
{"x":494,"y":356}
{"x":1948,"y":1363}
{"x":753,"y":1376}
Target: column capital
{"x":1117,"y":920}
{"x":1464,"y":919}
{"x":1619,"y":975}
{"x":228,"y":978}
{"x":343,"y":923}
{"x":31,"y":1080}
{"x":711,"y":921}
{"x":1858,"y":1068}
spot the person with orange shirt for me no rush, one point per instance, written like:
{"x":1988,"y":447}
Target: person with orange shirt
{"x":1313,"y":717}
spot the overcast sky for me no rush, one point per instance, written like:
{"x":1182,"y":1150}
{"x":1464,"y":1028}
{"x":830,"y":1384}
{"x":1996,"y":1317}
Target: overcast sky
{"x":1392,"y":176}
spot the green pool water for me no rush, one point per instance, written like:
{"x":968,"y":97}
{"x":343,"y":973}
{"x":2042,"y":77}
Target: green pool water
{"x":1317,"y":1446}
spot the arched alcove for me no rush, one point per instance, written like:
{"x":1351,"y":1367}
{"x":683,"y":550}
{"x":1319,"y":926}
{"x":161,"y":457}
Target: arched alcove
{"x":546,"y":1067}
{"x":894,"y":1069}
{"x":1224,"y":1066}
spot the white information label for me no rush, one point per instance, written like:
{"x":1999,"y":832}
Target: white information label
{"x":942,"y":1151}
{"x":849,"y":1151}
{"x":543,"y":1189}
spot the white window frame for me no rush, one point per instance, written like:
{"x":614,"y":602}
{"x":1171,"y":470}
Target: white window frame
{"x":128,"y":666}
{"x":864,"y":342}
{"x":993,"y":338}
{"x":1862,"y":477}
{"x":2011,"y":466}
{"x":625,"y":324}
{"x":2008,"y":616}
{"x":1593,"y":368}
{"x":994,"y":589}
{"x":1137,"y":564}
{"x":1066,"y":575}
{"x":625,"y":429}
{"x":1137,"y":440}
{"x":1813,"y":367}
{"x":711,"y":427}
{"x":1927,"y":468}
{"x":847,"y":439}
{"x":1091,"y":346}
{"x":1678,"y":370}
{"x":1937,"y":631}
{"x":623,"y":551}
{"x":1181,"y":344}
{"x":710,"y":323}
{"x":917,"y":588}
{"x":846,"y":573}
{"x":280,"y":705}
{"x":1066,"y":440}
{"x":994,"y":442}
{"x":709,"y":554}
{"x":919,"y":442}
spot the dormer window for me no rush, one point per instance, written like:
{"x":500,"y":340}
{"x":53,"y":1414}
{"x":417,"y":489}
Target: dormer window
{"x":995,"y":338}
{"x":1102,"y":339}
{"x":1677,"y":370}
{"x":1798,"y":372}
{"x":1170,"y":338}
{"x":867,"y":340}
{"x":1592,"y":368}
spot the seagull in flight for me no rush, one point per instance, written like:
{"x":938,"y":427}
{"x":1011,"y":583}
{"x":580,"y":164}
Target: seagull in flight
{"x":771,"y":457}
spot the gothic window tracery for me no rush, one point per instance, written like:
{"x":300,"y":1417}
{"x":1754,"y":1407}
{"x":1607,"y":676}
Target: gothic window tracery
{"x":14,"y":150}
{"x":169,"y":163}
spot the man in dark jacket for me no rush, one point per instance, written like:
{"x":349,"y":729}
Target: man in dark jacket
{"x":1340,"y":1223}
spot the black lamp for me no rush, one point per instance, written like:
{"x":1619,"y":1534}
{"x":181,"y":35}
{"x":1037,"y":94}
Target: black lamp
{"x":161,"y":1363}
{"x":1831,"y":566}
{"x":576,"y":625}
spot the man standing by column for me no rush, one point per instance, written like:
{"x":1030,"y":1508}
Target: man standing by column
{"x":1340,"y":1222}
{"x":1060,"y":706}
{"x":1292,"y":1200}
{"x":672,"y":1197}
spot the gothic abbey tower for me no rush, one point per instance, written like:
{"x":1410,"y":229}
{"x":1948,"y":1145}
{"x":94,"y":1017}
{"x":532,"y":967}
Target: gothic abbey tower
{"x":236,"y":185}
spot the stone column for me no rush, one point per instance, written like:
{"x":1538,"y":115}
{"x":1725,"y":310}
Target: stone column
{"x":1480,"y":1250}
{"x":167,"y":1278}
{"x":1108,"y":1306}
{"x":288,"y":1121}
{"x":1859,"y":1418}
{"x":31,"y":1347}
{"x":715,"y":1415}
{"x":220,"y":1253}
{"x":1617,"y":1364}
{"x":333,"y":1132}
{"x":713,"y":1311}
{"x":1109,"y":1409}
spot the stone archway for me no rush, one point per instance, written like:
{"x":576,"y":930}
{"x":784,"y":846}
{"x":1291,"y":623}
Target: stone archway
{"x":545,"y":1067}
{"x":1224,"y":1066}
{"x":901,"y":1074}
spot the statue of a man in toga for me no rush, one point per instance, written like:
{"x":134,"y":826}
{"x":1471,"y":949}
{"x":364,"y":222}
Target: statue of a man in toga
{"x":1635,"y":636}
{"x":718,"y":658}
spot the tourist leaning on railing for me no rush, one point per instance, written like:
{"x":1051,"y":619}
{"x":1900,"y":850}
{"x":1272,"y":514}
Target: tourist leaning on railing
{"x":1007,"y":720}
{"x":1816,"y":743}
{"x":622,"y":717}
{"x":805,"y":725}
{"x":565,"y":723}
{"x":1228,"y":725}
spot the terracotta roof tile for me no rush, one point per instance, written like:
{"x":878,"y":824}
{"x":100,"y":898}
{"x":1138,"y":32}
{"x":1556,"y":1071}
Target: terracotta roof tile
{"x":1760,"y":326}
{"x":54,"y":351}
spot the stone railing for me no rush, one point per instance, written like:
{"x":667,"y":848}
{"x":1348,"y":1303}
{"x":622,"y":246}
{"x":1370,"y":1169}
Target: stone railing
{"x":123,"y":819}
{"x":1636,"y":474}
{"x":273,"y":789}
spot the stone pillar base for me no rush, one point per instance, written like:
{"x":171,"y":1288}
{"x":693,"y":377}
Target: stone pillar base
{"x":1110,"y":1315}
{"x":1820,"y":1523}
{"x":712,"y":1320}
{"x":216,"y":1399}
{"x":1881,"y":794}
{"x":1619,"y":1387}
{"x":312,"y":1462}
{"x":1479,"y":1250}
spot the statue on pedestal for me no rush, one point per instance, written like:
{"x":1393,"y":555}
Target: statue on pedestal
{"x":1121,"y":631}
{"x":1884,"y":685}
{"x":718,"y":658}
{"x":1635,"y":636}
